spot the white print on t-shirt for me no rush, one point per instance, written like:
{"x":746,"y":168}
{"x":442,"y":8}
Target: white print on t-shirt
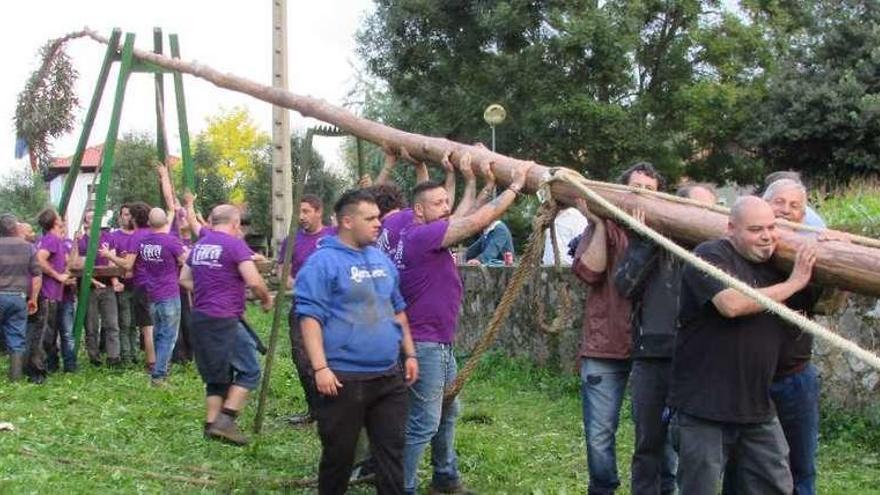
{"x":358,"y":275}
{"x":206,"y":255}
{"x":151,"y":252}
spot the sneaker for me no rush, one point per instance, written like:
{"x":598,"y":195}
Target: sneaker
{"x":158,"y":382}
{"x":225,"y":430}
{"x":363,"y":472}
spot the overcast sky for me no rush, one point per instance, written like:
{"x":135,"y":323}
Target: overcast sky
{"x":231,"y":36}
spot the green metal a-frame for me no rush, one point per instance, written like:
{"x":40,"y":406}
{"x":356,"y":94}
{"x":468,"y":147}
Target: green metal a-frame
{"x":128,"y":65}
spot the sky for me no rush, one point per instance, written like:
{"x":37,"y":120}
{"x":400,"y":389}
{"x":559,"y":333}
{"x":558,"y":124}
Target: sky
{"x":229,"y":35}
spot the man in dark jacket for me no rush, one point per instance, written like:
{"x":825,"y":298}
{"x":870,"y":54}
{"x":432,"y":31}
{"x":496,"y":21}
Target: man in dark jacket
{"x":650,"y":278}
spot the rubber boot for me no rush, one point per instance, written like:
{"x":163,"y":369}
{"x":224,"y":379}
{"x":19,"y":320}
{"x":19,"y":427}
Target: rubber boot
{"x":16,"y":363}
{"x":224,"y":429}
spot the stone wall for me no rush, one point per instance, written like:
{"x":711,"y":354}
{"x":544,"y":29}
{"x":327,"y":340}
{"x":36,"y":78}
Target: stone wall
{"x":545,"y":324}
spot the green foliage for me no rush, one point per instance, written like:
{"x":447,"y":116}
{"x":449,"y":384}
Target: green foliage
{"x":210,"y":188}
{"x":257,"y":189}
{"x":134,"y":176}
{"x":321,"y":181}
{"x":101,"y":431}
{"x":23,"y":194}
{"x":45,"y":107}
{"x":234,"y":140}
{"x":822,"y":111}
{"x":853,"y":208}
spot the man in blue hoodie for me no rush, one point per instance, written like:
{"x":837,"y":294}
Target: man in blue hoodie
{"x":351,"y":314}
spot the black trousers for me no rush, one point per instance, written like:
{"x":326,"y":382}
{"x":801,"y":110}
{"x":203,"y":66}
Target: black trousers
{"x":380,"y":405}
{"x":183,"y":346}
{"x":302,"y":363}
{"x":654,"y":460}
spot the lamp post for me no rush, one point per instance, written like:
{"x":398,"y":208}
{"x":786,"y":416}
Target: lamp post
{"x":494,"y":115}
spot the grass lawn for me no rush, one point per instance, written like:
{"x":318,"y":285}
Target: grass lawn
{"x":99,"y":431}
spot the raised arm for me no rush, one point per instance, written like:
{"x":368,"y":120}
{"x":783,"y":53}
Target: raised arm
{"x":461,"y":228}
{"x":167,"y":188}
{"x":189,"y":203}
{"x":466,"y":205}
{"x":488,"y":191}
{"x":595,"y":256}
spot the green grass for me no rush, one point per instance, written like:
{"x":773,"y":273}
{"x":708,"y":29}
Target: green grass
{"x":520,"y":432}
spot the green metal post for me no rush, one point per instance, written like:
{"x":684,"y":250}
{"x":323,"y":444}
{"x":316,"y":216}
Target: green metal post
{"x":161,"y":136}
{"x":101,"y":195}
{"x":73,"y":172}
{"x":189,"y":176}
{"x":280,"y":297}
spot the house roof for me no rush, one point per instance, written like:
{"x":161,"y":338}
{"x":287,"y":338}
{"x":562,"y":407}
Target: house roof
{"x":91,"y":160}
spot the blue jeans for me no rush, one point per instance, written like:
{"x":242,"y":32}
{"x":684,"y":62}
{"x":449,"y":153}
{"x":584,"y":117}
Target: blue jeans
{"x":603,"y":382}
{"x":429,"y":420}
{"x":13,"y":321}
{"x":68,"y":344}
{"x":797,"y":404}
{"x":243,"y":359}
{"x":166,"y":322}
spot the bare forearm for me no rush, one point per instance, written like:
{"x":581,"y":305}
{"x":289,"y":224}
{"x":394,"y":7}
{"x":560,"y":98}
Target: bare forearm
{"x":464,"y":227}
{"x":466,"y":205}
{"x":449,"y":184}
{"x":485,"y":195}
{"x":733,"y":303}
{"x":313,"y":341}
{"x":261,"y":291}
{"x":595,"y":257}
{"x":36,"y":286}
{"x":406,"y":343}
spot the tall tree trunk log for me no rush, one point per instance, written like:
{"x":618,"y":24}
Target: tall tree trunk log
{"x":847,"y":266}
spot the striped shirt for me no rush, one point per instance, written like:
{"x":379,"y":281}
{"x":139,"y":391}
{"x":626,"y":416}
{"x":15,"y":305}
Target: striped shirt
{"x":18,"y":263}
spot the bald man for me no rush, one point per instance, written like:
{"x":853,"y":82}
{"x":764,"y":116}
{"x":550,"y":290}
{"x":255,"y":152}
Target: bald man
{"x":217,"y":270}
{"x":161,"y":254}
{"x":726,"y":351}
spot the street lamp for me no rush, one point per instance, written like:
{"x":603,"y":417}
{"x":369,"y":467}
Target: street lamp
{"x":494,"y":115}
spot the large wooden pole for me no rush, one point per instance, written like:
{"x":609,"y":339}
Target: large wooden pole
{"x":843,"y":265}
{"x":282,"y":183}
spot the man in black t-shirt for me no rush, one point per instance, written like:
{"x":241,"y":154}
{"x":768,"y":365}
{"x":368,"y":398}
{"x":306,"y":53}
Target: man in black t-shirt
{"x":726,"y":352}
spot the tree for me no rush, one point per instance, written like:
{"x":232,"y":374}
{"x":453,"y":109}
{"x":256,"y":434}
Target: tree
{"x":210,"y":188}
{"x":234,"y":140}
{"x":134,"y":176}
{"x":594,"y":87}
{"x":24,"y":194}
{"x":822,"y":111}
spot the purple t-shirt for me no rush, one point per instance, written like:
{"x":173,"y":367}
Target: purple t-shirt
{"x":105,"y":238}
{"x":429,"y":282}
{"x":159,"y":252}
{"x":132,"y":247}
{"x":306,"y":244}
{"x":52,"y":289}
{"x":389,"y":237}
{"x":218,"y":289}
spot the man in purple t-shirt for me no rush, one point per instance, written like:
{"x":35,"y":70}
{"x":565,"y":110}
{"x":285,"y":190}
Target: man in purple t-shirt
{"x":52,"y":258}
{"x":102,"y":319}
{"x":129,"y":340}
{"x":161,"y":254}
{"x":308,"y":237}
{"x":217,"y":270}
{"x":431,"y":286}
{"x":128,"y":259}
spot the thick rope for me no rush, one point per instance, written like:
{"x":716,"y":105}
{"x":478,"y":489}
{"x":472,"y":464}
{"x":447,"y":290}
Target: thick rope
{"x":529,"y":261}
{"x":777,"y":308}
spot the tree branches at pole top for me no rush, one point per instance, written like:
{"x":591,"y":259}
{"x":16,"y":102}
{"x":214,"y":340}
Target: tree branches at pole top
{"x":848,"y":266}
